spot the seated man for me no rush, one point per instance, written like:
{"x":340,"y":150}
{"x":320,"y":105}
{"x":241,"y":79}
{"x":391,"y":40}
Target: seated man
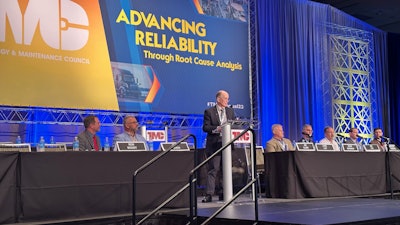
{"x":278,"y":143}
{"x":307,"y":133}
{"x":329,"y":138}
{"x":88,"y":140}
{"x":353,"y":134}
{"x":130,"y":133}
{"x":381,"y":142}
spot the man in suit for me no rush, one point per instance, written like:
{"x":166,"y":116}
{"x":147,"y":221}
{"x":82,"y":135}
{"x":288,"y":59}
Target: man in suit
{"x":131,"y":127}
{"x":214,"y":118}
{"x":381,"y":142}
{"x":88,"y":140}
{"x":278,"y":143}
{"x":353,"y":138}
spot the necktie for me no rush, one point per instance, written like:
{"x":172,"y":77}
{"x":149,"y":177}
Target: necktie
{"x":95,"y":145}
{"x":222,"y":116}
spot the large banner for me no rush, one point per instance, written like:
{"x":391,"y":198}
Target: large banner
{"x":127,"y":55}
{"x":54,"y":54}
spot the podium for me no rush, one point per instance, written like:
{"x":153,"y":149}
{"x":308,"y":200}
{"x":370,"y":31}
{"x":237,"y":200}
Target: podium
{"x":227,"y":154}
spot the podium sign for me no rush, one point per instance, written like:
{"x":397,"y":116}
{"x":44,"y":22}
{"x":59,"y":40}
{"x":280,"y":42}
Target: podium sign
{"x":245,"y":139}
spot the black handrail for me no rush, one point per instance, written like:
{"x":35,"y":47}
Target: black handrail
{"x":193,"y":198}
{"x":148,"y":164}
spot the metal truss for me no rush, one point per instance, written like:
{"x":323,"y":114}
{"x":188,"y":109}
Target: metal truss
{"x":352,"y":79}
{"x":107,"y":118}
{"x":254,"y":90}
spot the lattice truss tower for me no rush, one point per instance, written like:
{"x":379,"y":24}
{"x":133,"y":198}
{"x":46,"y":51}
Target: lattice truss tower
{"x":352,"y":80}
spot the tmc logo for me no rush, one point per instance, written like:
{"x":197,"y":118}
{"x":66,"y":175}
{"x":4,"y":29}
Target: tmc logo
{"x":156,"y":135}
{"x":62,"y":24}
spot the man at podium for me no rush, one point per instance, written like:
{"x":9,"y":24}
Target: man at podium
{"x":214,"y":118}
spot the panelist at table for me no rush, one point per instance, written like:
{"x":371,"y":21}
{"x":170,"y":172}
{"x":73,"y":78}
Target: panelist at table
{"x":353,"y":138}
{"x":131,"y":127}
{"x":329,"y":138}
{"x":278,"y":143}
{"x":378,"y":140}
{"x":88,"y":140}
{"x":307,"y":133}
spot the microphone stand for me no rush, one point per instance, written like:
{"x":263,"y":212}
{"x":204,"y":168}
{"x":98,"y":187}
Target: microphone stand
{"x":388,"y":166}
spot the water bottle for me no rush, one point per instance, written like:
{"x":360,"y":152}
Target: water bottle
{"x":52,"y":140}
{"x":106,"y":145}
{"x":150,"y":143}
{"x":205,"y":143}
{"x":75,"y":144}
{"x":18,"y":141}
{"x":41,"y":144}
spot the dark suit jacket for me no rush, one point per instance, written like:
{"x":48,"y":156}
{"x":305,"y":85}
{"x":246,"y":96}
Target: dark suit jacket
{"x":210,"y":123}
{"x":86,"y":141}
{"x":379,"y":143}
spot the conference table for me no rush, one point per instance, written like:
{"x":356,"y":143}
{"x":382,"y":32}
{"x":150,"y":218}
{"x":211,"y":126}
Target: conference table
{"x":66,"y":185}
{"x":302,"y":174}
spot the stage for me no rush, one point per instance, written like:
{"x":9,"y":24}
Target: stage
{"x":348,"y":210}
{"x":44,"y":189}
{"x":310,"y":211}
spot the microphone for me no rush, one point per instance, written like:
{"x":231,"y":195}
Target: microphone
{"x":341,"y":135}
{"x":360,"y":136}
{"x":383,"y":137}
{"x":237,"y":117}
{"x":304,"y":133}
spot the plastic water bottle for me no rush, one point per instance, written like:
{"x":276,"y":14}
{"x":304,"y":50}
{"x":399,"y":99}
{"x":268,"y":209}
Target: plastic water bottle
{"x":52,"y":140}
{"x":75,"y":144}
{"x":205,"y":143}
{"x":41,"y":144}
{"x":106,"y":145}
{"x":18,"y":141}
{"x":150,"y":143}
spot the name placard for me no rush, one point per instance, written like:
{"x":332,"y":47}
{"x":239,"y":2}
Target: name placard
{"x":324,"y":147}
{"x":129,"y":146}
{"x":393,"y":148}
{"x":350,"y":148}
{"x":304,"y":146}
{"x":183,"y":146}
{"x":25,"y":147}
{"x":372,"y":148}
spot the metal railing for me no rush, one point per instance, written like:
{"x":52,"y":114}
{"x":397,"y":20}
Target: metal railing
{"x":193,"y":198}
{"x":147,"y":165}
